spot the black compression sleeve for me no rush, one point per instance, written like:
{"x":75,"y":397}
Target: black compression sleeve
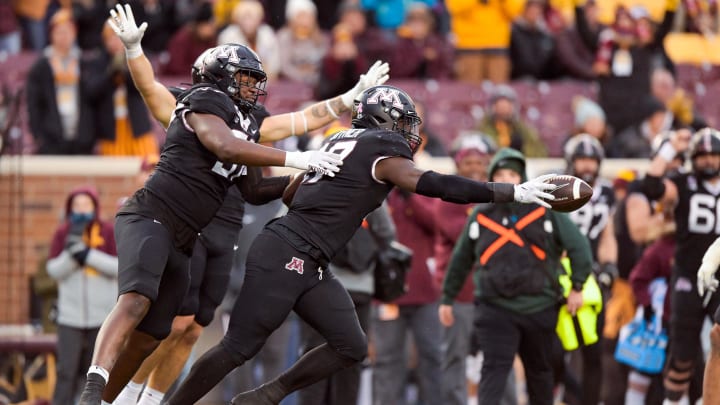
{"x":460,"y":190}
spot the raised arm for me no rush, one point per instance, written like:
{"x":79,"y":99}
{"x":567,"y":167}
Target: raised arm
{"x":322,"y":113}
{"x":157,"y":97}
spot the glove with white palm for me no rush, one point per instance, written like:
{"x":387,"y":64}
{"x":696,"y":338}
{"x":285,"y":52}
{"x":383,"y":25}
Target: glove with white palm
{"x":123,"y":23}
{"x":535,"y":191}
{"x":318,"y":161}
{"x":375,"y":76}
{"x":706,"y":280}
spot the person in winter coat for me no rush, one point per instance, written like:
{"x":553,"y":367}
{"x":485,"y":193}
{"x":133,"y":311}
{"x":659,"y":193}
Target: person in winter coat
{"x":83,"y":260}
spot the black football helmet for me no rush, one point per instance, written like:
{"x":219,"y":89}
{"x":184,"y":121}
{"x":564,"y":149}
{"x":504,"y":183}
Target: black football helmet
{"x":221,"y":65}
{"x":390,"y":108}
{"x":583,"y":145}
{"x":705,"y":142}
{"x":198,"y":65}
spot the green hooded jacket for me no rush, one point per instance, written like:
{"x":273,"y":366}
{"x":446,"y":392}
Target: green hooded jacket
{"x":562,"y":236}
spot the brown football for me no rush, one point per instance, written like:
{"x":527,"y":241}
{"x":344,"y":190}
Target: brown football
{"x":571,"y":193}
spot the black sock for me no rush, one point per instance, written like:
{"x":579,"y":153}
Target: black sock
{"x":94,"y":386}
{"x":317,"y":364}
{"x":205,"y":374}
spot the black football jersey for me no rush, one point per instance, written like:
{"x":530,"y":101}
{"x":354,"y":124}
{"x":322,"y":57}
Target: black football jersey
{"x":593,"y":217}
{"x":189,"y":178}
{"x":697,"y":219}
{"x":326,"y":211}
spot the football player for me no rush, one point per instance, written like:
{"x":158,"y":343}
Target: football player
{"x":583,"y":156}
{"x":208,"y":147}
{"x":696,"y":197}
{"x":213,"y":253}
{"x":287,"y":264}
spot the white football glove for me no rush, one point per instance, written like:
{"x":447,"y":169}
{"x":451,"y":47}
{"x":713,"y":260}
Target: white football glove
{"x":326,"y":163}
{"x":706,"y":281}
{"x":123,"y":23}
{"x":534,"y":191}
{"x":375,"y":76}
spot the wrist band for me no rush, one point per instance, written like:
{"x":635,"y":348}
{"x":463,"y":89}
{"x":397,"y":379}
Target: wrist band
{"x":292,"y":123}
{"x":304,"y":123}
{"x":134,"y":52}
{"x":330,"y":109}
{"x":667,"y":152}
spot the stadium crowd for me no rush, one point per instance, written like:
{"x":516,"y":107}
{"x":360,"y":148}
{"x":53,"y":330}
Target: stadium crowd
{"x":449,"y":338}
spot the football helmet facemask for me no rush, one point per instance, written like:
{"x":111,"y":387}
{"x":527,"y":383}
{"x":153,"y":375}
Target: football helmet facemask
{"x":221,"y":65}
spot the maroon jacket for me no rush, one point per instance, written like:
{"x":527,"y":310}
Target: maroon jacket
{"x":107,"y":236}
{"x":409,"y":62}
{"x":183,"y":49}
{"x":450,"y":219}
{"x":656,"y":262}
{"x":415,"y":229}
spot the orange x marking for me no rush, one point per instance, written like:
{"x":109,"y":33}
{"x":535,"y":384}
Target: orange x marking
{"x":508,"y":234}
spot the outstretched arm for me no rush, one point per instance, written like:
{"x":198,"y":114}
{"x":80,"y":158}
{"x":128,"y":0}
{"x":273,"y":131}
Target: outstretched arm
{"x":157,"y":97}
{"x":403,"y":173}
{"x":322,"y":113}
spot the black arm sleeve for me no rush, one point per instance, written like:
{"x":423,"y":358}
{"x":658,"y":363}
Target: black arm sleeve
{"x":258,"y":190}
{"x":459,"y":190}
{"x":653,"y":187}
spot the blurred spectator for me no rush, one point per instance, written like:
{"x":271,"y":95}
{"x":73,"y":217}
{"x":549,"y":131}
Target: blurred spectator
{"x":160,"y":17}
{"x":627,"y":53}
{"x":532,"y":46}
{"x":247,"y":28}
{"x":635,"y":141}
{"x":680,"y":109}
{"x":223,"y":11}
{"x":420,"y":53}
{"x":90,"y":16}
{"x":302,"y":44}
{"x":190,"y":41}
{"x":83,"y":259}
{"x":431,"y":144}
{"x":10,"y":38}
{"x":574,"y":57}
{"x":415,"y":311}
{"x":590,"y":119}
{"x":471,"y":154}
{"x":482,"y":38}
{"x":123,"y":122}
{"x":503,"y":124}
{"x":31,"y":14}
{"x":516,"y":307}
{"x":702,"y":17}
{"x":374,"y":43}
{"x":341,"y":66}
{"x":329,"y":12}
{"x":390,"y":14}
{"x":60,"y":115}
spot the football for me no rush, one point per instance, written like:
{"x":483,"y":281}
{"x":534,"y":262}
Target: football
{"x":571,"y":193}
